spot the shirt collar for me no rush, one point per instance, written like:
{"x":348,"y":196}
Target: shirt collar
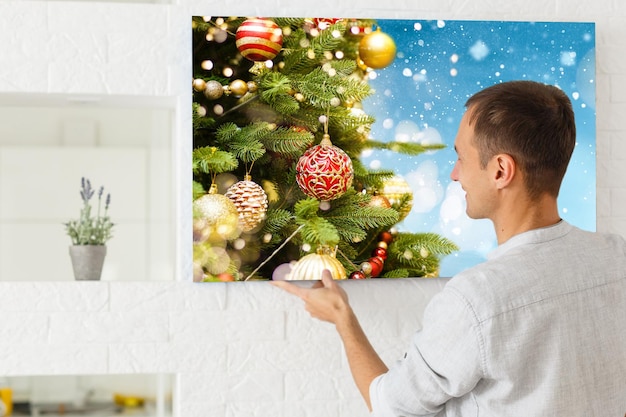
{"x":543,"y":234}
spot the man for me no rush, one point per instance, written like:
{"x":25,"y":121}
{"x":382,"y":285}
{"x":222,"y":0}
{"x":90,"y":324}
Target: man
{"x":539,"y":329}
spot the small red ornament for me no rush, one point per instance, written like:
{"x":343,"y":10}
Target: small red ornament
{"x":259,"y":39}
{"x":357,"y":27}
{"x":324,"y":171}
{"x":377,"y":266}
{"x":386,"y":237}
{"x":380,"y":252}
{"x":357,"y":275}
{"x":323,"y":22}
{"x":225,"y":277}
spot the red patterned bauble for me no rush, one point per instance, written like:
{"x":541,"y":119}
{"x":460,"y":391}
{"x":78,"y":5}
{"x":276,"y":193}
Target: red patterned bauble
{"x":377,"y":266}
{"x":259,"y":39}
{"x":324,"y":171}
{"x":357,"y":275}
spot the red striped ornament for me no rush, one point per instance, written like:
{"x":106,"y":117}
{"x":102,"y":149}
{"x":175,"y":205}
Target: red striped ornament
{"x":259,"y":39}
{"x":324,"y":171}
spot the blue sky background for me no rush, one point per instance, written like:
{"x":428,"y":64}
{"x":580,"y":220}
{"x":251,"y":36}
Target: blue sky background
{"x":420,"y":98}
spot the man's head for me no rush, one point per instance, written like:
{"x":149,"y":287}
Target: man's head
{"x":531,"y":122}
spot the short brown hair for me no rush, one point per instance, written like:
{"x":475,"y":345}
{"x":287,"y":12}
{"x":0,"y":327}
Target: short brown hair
{"x":532,"y":122}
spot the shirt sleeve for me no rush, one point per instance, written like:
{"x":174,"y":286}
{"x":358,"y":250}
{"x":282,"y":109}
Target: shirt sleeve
{"x":443,"y":361}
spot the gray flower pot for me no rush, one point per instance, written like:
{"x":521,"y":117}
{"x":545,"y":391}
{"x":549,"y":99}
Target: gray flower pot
{"x":87,"y":261}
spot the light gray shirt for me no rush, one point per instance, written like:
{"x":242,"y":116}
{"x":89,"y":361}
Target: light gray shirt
{"x":539,"y":329}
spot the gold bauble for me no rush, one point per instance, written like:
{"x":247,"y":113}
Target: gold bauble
{"x":213,"y":90}
{"x":379,"y":201}
{"x":377,"y":49}
{"x":310,"y":266}
{"x":215,"y":217}
{"x":199,"y":84}
{"x":251,"y":202}
{"x":252,"y":86}
{"x":238,"y":88}
{"x":395,"y":189}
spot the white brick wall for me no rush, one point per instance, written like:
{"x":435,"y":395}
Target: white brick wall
{"x":239,"y":349}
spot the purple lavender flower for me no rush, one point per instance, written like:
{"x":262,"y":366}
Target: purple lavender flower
{"x":89,"y":229}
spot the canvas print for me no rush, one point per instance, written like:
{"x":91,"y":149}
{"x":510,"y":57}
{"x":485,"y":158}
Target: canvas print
{"x":327,"y":143}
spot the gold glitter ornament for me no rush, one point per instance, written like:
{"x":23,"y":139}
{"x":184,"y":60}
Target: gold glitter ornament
{"x":213,"y":90}
{"x":215,"y":217}
{"x":252,"y":86}
{"x":377,"y":49}
{"x":310,"y":266}
{"x":251,"y":202}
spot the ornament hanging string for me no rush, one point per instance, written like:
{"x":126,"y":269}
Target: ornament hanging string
{"x":282,"y":245}
{"x":249,"y":170}
{"x":347,"y":259}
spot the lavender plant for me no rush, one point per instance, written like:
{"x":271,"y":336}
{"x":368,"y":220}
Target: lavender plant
{"x":89,"y":229}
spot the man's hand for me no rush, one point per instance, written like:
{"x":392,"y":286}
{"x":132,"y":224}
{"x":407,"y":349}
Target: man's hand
{"x":325,"y":300}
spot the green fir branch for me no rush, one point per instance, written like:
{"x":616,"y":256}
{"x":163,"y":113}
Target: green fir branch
{"x":306,"y":208}
{"x":350,"y":89}
{"x":318,"y":231}
{"x":273,"y":84}
{"x":432,"y":243}
{"x":397,"y":273}
{"x":405,"y":148}
{"x":248,"y":149}
{"x":210,"y":160}
{"x":370,"y":179}
{"x":344,"y":67}
{"x":354,"y":210}
{"x":306,"y":117}
{"x":354,"y":122}
{"x":287,"y":141}
{"x":285,"y":105}
{"x":302,"y":59}
{"x":245,"y":143}
{"x":276,"y":90}
{"x":291,"y":22}
{"x":419,"y":253}
{"x":200,"y":122}
{"x":277,"y":226}
{"x":197,"y":190}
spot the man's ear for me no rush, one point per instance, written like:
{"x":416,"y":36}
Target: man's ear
{"x":505,"y":170}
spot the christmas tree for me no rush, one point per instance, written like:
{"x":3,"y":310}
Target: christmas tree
{"x":278,"y":130}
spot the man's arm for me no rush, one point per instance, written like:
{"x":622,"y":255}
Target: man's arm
{"x":327,"y":301}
